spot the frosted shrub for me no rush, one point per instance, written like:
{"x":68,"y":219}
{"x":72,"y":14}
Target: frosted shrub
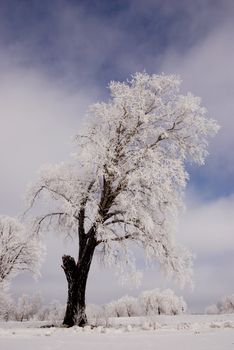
{"x":224,"y":306}
{"x":6,"y":306}
{"x":129,"y":305}
{"x":54,"y":313}
{"x":95,"y":314}
{"x":212,"y":310}
{"x":155,"y":302}
{"x":124,"y":307}
{"x":28,"y":307}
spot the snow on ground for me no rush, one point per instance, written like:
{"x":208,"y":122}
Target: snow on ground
{"x":193,"y":332}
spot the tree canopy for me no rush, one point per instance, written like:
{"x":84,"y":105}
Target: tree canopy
{"x":125,"y":181}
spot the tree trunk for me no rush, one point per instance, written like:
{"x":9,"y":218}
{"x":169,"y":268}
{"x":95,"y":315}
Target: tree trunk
{"x":77,"y":275}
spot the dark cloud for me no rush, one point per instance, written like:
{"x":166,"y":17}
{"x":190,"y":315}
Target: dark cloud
{"x":93,"y":41}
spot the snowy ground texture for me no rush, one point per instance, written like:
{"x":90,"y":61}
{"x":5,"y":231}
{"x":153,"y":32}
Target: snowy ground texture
{"x":200,"y":332}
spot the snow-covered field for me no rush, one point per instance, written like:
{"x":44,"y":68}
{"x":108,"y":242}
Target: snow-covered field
{"x":200,"y":332}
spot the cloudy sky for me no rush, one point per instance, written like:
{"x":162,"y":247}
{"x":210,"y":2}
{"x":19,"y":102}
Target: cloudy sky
{"x":57,"y":57}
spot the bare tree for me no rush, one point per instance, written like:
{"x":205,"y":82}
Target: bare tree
{"x":126,"y":180}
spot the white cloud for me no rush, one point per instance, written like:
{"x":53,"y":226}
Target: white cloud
{"x":208,"y":228}
{"x":38,"y":119}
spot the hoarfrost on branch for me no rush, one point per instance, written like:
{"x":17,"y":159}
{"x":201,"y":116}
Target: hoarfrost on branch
{"x":18,"y":250}
{"x":125,"y":181}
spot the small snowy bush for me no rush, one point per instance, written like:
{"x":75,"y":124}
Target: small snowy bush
{"x":95,"y":314}
{"x":149,"y":303}
{"x":124,"y":307}
{"x":53,"y":313}
{"x":6,"y":306}
{"x":224,"y":306}
{"x":28,"y":307}
{"x":212,"y":310}
{"x":155,"y":302}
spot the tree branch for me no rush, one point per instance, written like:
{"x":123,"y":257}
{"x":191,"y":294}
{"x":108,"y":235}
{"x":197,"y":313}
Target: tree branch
{"x":50,"y":215}
{"x":116,"y":239}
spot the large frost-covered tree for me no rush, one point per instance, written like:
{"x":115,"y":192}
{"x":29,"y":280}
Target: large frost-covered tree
{"x":125,"y":183}
{"x":18,"y":250}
